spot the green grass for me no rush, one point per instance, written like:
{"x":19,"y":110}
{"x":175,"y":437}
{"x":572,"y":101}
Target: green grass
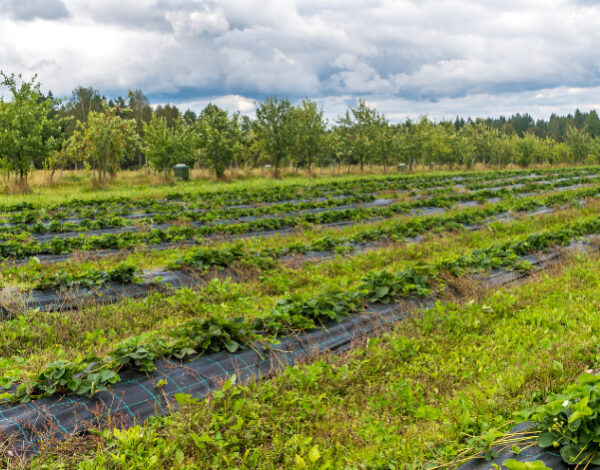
{"x":412,"y":398}
{"x":408,"y":399}
{"x":139,"y":185}
{"x":35,"y":338}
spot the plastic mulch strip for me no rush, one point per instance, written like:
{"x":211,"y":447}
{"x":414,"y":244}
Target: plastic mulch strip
{"x":137,"y":397}
{"x":550,"y":458}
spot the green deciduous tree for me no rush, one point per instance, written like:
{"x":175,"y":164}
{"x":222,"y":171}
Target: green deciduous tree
{"x":219,"y":138}
{"x":308,"y":133}
{"x":579,"y":143}
{"x":82,"y":102}
{"x":27,"y":131}
{"x":416,"y":141}
{"x":141,"y":112}
{"x":170,"y":112}
{"x":361,"y":127}
{"x":592,"y":124}
{"x":104,"y":141}
{"x":166,"y":146}
{"x":274,"y":130}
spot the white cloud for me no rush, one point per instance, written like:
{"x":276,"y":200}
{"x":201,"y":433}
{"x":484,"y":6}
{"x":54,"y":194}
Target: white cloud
{"x":422,"y":55}
{"x":232,"y":103}
{"x":197,"y":23}
{"x":30,"y":9}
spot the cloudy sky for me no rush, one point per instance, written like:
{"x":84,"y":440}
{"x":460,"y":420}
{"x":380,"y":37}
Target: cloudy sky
{"x":408,"y":58}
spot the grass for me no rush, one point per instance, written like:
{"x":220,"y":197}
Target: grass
{"x":142,"y":184}
{"x":34,"y":339}
{"x":23,"y":276}
{"x":408,"y":399}
{"x":414,"y":397}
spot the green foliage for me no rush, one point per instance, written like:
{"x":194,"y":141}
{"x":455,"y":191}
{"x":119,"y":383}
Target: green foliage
{"x":95,"y":374}
{"x":310,"y":141}
{"x":166,"y":146}
{"x":440,"y":377}
{"x":291,"y":313}
{"x":360,"y":129}
{"x":445,"y":379}
{"x":104,"y":141}
{"x":123,"y":273}
{"x":19,"y":245}
{"x":384,"y":287}
{"x":274,"y":129}
{"x":219,"y":138}
{"x":570,"y":421}
{"x":28,"y":132}
{"x":281,"y":133}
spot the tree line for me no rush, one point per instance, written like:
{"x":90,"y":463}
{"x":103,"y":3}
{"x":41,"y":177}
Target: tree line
{"x":86,"y":130}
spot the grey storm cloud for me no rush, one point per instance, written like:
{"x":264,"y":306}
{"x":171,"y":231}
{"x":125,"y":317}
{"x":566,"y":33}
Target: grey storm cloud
{"x":424,"y":56}
{"x":31,"y":9}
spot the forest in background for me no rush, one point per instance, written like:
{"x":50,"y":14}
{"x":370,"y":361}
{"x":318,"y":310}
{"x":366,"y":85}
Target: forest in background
{"x":87,"y":130}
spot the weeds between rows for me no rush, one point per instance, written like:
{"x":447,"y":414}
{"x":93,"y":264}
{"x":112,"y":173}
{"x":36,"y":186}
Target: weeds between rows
{"x":29,"y":341}
{"x":410,"y":398}
{"x":203,"y":258}
{"x":137,"y":399}
{"x":292,"y":313}
{"x":272,"y":192}
{"x":88,"y":332}
{"x":232,"y":220}
{"x":109,"y":214}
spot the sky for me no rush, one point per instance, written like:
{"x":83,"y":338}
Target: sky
{"x":406,"y":58}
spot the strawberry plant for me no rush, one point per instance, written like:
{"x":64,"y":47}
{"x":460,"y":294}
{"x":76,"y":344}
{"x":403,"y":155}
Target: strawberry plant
{"x":570,"y":422}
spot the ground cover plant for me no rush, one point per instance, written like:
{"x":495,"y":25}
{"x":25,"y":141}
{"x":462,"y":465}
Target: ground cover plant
{"x":97,"y":328}
{"x":441,"y":386}
{"x":21,"y":244}
{"x":387,"y":404}
{"x":291,"y":314}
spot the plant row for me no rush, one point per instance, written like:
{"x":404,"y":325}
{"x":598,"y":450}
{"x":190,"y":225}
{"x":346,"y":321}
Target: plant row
{"x":290,"y":315}
{"x":22,"y":246}
{"x":202,"y":258}
{"x":274,"y":221}
{"x":123,"y":273}
{"x":211,"y":200}
{"x":29,"y":222}
{"x":167,"y":209}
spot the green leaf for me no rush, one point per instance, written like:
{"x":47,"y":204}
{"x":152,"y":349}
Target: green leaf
{"x":512,"y":464}
{"x":184,"y":399}
{"x":546,"y":439}
{"x":569,"y":453}
{"x":581,"y":410}
{"x":300,"y":462}
{"x":201,"y":440}
{"x":314,"y":455}
{"x":382,"y":291}
{"x":588,"y":379}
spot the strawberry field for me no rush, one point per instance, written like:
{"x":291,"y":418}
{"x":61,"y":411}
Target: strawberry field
{"x":391,"y":321}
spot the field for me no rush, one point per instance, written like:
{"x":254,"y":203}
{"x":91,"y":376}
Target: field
{"x":375,"y":321}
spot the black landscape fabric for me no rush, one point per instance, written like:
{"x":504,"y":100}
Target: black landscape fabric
{"x":137,"y":396}
{"x":550,"y":457}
